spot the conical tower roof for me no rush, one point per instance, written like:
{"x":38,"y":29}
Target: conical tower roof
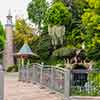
{"x":26,"y":50}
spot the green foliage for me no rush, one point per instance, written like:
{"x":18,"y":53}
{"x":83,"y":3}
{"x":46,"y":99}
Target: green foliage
{"x":94,"y":52}
{"x":91,"y":22}
{"x":94,"y":79}
{"x":82,"y":25}
{"x":64,"y":54}
{"x":2,"y":37}
{"x":44,"y":47}
{"x":23,"y":33}
{"x":12,"y":68}
{"x":58,"y":14}
{"x":75,"y":35}
{"x":94,"y":3}
{"x":97,"y":65}
{"x":2,"y":40}
{"x":75,"y":38}
{"x":78,"y":7}
{"x":36,"y":11}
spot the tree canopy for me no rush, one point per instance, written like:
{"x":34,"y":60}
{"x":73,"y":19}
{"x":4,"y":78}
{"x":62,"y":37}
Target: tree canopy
{"x":58,"y":14}
{"x":2,"y":40}
{"x":2,"y":37}
{"x":65,"y":25}
{"x":23,"y":33}
{"x":91,"y":22}
{"x":36,"y":11}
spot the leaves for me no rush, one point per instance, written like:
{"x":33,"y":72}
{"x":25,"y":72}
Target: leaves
{"x":23,"y":33}
{"x":58,"y":14}
{"x":44,"y":47}
{"x":36,"y":11}
{"x":94,"y":3}
{"x":64,"y":52}
{"x":2,"y":37}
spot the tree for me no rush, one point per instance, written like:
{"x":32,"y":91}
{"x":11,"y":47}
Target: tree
{"x":65,"y":53}
{"x":36,"y":11}
{"x":91,"y":22}
{"x":2,"y":37}
{"x":44,"y":48}
{"x":23,"y":33}
{"x":58,"y":14}
{"x":94,"y":52}
{"x":94,"y":3}
{"x":78,"y":7}
{"x":2,"y":40}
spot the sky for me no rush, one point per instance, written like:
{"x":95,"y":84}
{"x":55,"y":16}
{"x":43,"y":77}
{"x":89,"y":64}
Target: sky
{"x":18,"y":7}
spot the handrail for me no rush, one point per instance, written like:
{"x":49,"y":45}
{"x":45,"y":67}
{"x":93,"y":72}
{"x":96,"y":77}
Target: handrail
{"x":55,"y":78}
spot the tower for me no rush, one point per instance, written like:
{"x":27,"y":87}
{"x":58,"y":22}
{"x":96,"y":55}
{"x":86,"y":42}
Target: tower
{"x":8,"y":52}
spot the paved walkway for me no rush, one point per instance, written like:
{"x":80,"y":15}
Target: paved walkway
{"x":15,"y":90}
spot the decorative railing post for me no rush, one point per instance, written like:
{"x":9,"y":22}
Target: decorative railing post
{"x":19,"y":70}
{"x":27,"y":72}
{"x":1,"y":83}
{"x":41,"y":74}
{"x":52,"y":77}
{"x":67,"y":84}
{"x":34,"y":74}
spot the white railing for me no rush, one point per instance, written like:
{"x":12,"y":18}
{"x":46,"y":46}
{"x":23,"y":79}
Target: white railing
{"x":55,"y":78}
{"x":1,"y":83}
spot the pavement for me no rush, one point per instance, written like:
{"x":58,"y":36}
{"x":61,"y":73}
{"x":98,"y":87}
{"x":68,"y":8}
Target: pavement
{"x":15,"y":90}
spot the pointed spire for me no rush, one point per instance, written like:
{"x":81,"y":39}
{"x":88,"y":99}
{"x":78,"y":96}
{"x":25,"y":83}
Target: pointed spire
{"x":9,"y":18}
{"x":9,"y":14}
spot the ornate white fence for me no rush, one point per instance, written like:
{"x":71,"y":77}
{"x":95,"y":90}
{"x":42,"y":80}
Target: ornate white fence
{"x":1,"y":83}
{"x":76,"y":84}
{"x":57,"y":79}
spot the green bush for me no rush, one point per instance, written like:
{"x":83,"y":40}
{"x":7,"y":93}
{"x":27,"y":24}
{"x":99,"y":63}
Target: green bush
{"x":12,"y":68}
{"x":97,"y":65}
{"x":58,"y":14}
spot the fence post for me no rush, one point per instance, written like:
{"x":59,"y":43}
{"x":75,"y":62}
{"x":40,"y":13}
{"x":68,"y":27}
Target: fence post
{"x":34,"y":74}
{"x":27,"y":72}
{"x":52,"y":77}
{"x":67,"y":84}
{"x":41,"y":74}
{"x":19,"y":70}
{"x":1,"y":83}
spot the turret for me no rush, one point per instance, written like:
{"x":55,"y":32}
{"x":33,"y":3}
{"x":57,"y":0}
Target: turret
{"x":9,"y":19}
{"x":8,"y":52}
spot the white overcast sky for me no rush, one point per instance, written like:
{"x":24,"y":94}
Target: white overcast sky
{"x":18,"y":7}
